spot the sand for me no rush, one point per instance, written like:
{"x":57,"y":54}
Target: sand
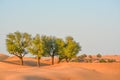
{"x":3,"y":57}
{"x":11,"y":70}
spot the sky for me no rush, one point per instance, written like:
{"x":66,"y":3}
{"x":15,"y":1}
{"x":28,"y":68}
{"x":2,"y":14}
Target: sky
{"x":95,"y":24}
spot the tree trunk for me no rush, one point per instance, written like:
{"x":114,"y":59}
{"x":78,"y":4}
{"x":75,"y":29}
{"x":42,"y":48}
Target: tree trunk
{"x":52,"y":59}
{"x":38,"y":61}
{"x":21,"y":60}
{"x":67,"y":60}
{"x":59,"y":60}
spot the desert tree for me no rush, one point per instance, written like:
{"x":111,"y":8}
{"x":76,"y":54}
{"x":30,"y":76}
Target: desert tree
{"x":50,"y":46}
{"x":90,"y":56}
{"x":71,"y":48}
{"x":82,"y":57}
{"x":99,"y":55}
{"x":90,"y":60}
{"x":17,"y":44}
{"x":37,"y":48}
{"x":60,"y":48}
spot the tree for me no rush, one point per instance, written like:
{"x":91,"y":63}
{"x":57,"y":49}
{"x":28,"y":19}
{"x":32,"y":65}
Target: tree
{"x":99,"y":55}
{"x":90,"y":60}
{"x":71,"y":48}
{"x":17,"y":44}
{"x":50,"y":46}
{"x":81,"y":58}
{"x":37,"y":48}
{"x":60,"y":48}
{"x":90,"y":56}
{"x":84,"y":55}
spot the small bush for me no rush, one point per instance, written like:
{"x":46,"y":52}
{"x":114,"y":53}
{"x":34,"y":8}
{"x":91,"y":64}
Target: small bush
{"x":99,"y":55}
{"x":102,"y":61}
{"x":82,"y":56}
{"x":89,"y":60}
{"x":75,"y":60}
{"x":111,"y":60}
{"x":90,"y":56}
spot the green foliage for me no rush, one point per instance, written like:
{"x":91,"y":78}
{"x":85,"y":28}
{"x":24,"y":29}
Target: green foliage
{"x":102,"y":61}
{"x":37,"y":47}
{"x":71,"y":48}
{"x":50,"y":46}
{"x":60,"y":48}
{"x":65,"y":49}
{"x":111,"y":60}
{"x":108,"y":60}
{"x":17,"y":44}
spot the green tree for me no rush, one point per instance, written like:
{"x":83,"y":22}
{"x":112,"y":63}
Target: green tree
{"x":71,"y":48}
{"x":17,"y":44}
{"x":60,"y":48}
{"x":50,"y":47}
{"x":37,"y":48}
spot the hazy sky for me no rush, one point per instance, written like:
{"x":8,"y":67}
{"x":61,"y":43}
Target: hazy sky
{"x":95,"y":24}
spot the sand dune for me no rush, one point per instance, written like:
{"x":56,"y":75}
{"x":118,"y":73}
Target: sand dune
{"x":116,"y":57}
{"x":3,"y":57}
{"x":10,"y":70}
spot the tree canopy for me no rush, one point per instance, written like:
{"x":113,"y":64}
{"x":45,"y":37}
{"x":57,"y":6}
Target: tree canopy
{"x":17,"y":44}
{"x":71,"y":48}
{"x":36,"y":47}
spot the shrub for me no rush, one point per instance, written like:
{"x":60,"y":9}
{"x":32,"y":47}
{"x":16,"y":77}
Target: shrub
{"x":75,"y":60}
{"x":88,"y":60}
{"x":90,"y":56}
{"x":102,"y":61}
{"x":99,"y":55}
{"x":111,"y":60}
{"x":81,"y":58}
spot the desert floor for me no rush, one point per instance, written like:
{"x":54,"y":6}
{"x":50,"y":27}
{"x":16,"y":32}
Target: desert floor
{"x":10,"y":70}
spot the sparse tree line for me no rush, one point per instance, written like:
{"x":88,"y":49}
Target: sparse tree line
{"x":90,"y":59}
{"x":20,"y":44}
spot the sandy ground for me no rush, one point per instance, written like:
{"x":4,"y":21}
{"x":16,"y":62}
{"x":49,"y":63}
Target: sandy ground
{"x":10,"y":70}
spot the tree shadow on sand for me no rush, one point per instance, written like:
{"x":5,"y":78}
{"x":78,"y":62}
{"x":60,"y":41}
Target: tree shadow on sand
{"x":34,"y":78}
{"x":26,"y":63}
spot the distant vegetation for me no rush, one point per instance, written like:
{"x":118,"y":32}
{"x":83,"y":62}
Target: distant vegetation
{"x":111,"y":60}
{"x":81,"y":58}
{"x":20,"y":44}
{"x":99,"y":55}
{"x":102,"y":61}
{"x":89,"y":59}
